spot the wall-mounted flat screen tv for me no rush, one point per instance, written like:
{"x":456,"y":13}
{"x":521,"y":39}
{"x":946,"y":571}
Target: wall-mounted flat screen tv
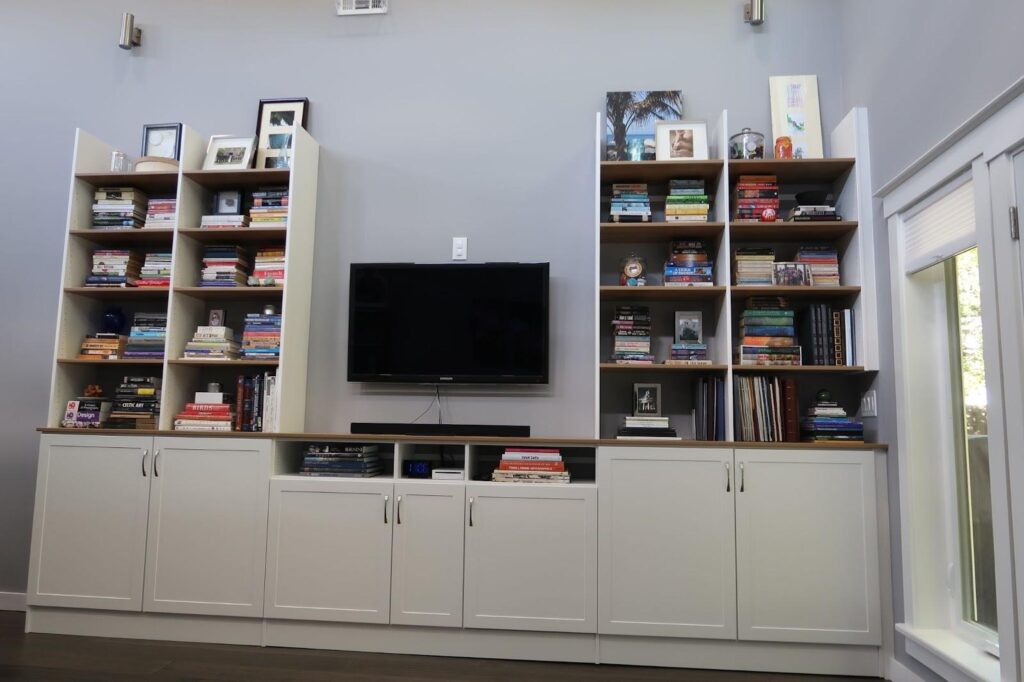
{"x":448,"y":323}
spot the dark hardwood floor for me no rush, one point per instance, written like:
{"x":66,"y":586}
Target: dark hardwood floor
{"x":95,"y":659}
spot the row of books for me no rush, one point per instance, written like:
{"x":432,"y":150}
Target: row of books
{"x":261,"y":337}
{"x":644,"y":426}
{"x":269,"y":207}
{"x":212,"y":342}
{"x":815,"y":265}
{"x":340,"y":460}
{"x":766,"y":410}
{"x":531,"y":465}
{"x":269,"y":270}
{"x":828,"y":335}
{"x":156,"y":270}
{"x":253,"y":407}
{"x":689,"y":265}
{"x":135,"y":405}
{"x":687,"y":201}
{"x":147,"y":337}
{"x":630,"y":203}
{"x":224,"y":265}
{"x":753,"y":195}
{"x":768,"y":333}
{"x":631,"y":335}
{"x":162,"y":213}
{"x":224,"y":221}
{"x":118,"y":208}
{"x":114,"y":268}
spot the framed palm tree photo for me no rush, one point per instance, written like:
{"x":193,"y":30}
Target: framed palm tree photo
{"x":631,"y":117}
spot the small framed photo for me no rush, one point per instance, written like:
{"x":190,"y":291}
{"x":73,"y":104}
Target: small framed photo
{"x":162,"y":140}
{"x":791,"y":274}
{"x":275,"y":130}
{"x":677,"y":140}
{"x":228,"y":152}
{"x":646,"y":400}
{"x":216,"y":318}
{"x":689,"y":326}
{"x":227,"y":202}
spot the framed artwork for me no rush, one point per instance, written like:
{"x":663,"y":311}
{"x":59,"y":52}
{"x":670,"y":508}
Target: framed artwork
{"x":216,"y":318}
{"x":796,"y":114}
{"x":646,"y":400}
{"x":162,"y":140}
{"x":227,"y":202}
{"x":676,"y":140}
{"x":228,"y":152}
{"x":275,"y":130}
{"x":630,"y":118}
{"x":689,"y":326}
{"x":791,"y":274}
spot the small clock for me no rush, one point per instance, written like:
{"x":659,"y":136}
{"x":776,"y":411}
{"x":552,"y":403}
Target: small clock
{"x":162,"y":140}
{"x":634,"y":271}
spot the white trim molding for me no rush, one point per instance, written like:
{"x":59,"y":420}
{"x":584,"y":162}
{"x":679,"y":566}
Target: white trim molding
{"x":12,"y":601}
{"x":897,"y":672}
{"x":949,"y":656}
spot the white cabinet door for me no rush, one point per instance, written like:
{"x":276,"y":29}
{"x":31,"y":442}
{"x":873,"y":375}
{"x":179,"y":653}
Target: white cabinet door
{"x":89,"y":531}
{"x":427,"y":559}
{"x":531,"y":557}
{"x":329,"y":549}
{"x":206,"y":552}
{"x":667,"y":562}
{"x":807,"y":546}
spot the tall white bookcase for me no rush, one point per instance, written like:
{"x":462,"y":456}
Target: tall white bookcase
{"x":80,"y":309}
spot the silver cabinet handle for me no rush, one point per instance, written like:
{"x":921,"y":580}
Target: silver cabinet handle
{"x":471,"y":512}
{"x":728,"y":479}
{"x":145,"y":454}
{"x":156,"y":464}
{"x":386,"y":498}
{"x":743,"y":478}
{"x":398,"y":510}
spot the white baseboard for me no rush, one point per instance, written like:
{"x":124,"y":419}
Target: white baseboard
{"x":897,"y":672}
{"x":12,"y":601}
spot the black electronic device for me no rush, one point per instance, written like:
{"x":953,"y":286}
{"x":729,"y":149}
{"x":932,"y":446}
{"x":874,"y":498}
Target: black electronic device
{"x":400,"y":429}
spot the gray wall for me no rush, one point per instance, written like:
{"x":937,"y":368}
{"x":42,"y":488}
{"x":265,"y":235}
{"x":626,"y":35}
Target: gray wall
{"x":444,"y":118}
{"x":921,"y":69}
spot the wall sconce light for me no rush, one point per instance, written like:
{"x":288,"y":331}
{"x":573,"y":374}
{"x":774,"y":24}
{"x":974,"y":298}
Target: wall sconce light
{"x":131,"y":35}
{"x":753,"y":12}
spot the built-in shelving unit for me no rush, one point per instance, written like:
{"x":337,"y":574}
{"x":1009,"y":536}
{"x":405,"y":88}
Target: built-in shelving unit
{"x":187,"y":305}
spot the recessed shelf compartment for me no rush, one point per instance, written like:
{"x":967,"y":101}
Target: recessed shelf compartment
{"x":795,"y":292}
{"x":248,"y":234}
{"x":809,"y":231}
{"x":793,"y":170}
{"x":289,"y":454}
{"x":660,"y":171}
{"x":152,"y":362}
{"x":240,"y":362}
{"x":118,"y":292}
{"x":150,"y":182}
{"x":146,"y":236}
{"x":624,"y":293}
{"x":636,"y":233}
{"x":662,"y":367}
{"x":580,"y":462}
{"x":802,"y":369}
{"x":234,"y":179}
{"x":268,"y":293}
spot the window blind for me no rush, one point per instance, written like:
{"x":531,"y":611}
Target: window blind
{"x":940,"y":230}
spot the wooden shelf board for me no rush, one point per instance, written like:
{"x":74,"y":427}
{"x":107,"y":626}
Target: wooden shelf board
{"x":661,"y":171}
{"x":792,"y":170}
{"x":231,"y":292}
{"x":245,"y":234}
{"x":151,"y":181}
{"x":118,"y":292}
{"x":795,"y":292}
{"x":148,"y":235}
{"x":119,"y":361}
{"x":612,"y":293}
{"x":802,"y":369}
{"x":790,"y":230}
{"x":629,"y":233}
{"x":661,"y":367}
{"x":249,"y":178}
{"x":224,"y":363}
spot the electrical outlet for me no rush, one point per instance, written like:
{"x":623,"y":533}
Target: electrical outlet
{"x":869,"y":404}
{"x":460,"y":248}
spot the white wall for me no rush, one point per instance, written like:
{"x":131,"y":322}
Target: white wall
{"x":449,"y":117}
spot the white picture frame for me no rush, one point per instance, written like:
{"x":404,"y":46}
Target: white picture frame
{"x":229,"y":152}
{"x":796,"y":114}
{"x":681,"y":140}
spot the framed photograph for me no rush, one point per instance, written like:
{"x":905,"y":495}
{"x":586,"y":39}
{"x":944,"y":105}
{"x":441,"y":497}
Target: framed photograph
{"x":228,"y":202}
{"x":646,"y":400}
{"x":630,"y":117}
{"x":677,"y":140}
{"x":216,"y":318}
{"x":162,"y":140}
{"x":228,"y":152}
{"x":689,"y":326}
{"x":275,"y":130}
{"x":796,"y":114}
{"x":791,"y":274}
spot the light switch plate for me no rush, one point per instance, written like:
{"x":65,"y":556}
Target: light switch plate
{"x":460,"y":248}
{"x":869,"y":404}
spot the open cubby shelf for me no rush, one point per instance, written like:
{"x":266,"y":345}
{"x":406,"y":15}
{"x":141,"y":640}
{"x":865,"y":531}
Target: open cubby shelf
{"x":625,"y":293}
{"x":119,"y":292}
{"x":247,"y":234}
{"x":233,"y":179}
{"x":148,"y":181}
{"x":635,"y":233}
{"x":786,"y":231}
{"x":148,"y":237}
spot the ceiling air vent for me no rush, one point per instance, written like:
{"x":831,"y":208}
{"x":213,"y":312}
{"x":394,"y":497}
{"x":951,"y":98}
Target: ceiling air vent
{"x":359,"y":7}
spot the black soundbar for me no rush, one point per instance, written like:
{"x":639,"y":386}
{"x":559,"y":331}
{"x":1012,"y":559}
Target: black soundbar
{"x":398,"y":429}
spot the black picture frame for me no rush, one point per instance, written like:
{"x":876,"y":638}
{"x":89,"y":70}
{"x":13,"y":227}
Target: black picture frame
{"x":177,"y":137}
{"x":304,"y":101}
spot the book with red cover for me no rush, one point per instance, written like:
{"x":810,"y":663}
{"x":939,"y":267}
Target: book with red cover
{"x":792,"y":411}
{"x":531,"y":466}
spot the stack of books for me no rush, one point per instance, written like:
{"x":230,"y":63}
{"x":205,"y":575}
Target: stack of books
{"x":224,"y":221}
{"x":340,"y":460}
{"x":826,"y":422}
{"x":806,"y":213}
{"x":136,"y":404}
{"x":269,"y":269}
{"x":687,"y":201}
{"x":114,"y":268}
{"x":766,"y":409}
{"x":162,"y":213}
{"x":709,"y":408}
{"x":87,"y":412}
{"x":689,"y":353}
{"x":754,"y":194}
{"x":754,"y":266}
{"x":212,"y":343}
{"x":118,"y":208}
{"x":147,"y":336}
{"x":224,"y":265}
{"x":768,"y":333}
{"x":823,"y":261}
{"x":102,"y":346}
{"x":689,"y":265}
{"x":269,"y":207}
{"x":631,"y":329}
{"x":256,"y":398}
{"x":261,"y":337}
{"x":827,"y":335}
{"x":630,"y":203}
{"x":634,"y":428}
{"x":156,"y":270}
{"x":531,"y":465}
{"x":206,"y":414}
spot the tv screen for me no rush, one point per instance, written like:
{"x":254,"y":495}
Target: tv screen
{"x":448,"y":323}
